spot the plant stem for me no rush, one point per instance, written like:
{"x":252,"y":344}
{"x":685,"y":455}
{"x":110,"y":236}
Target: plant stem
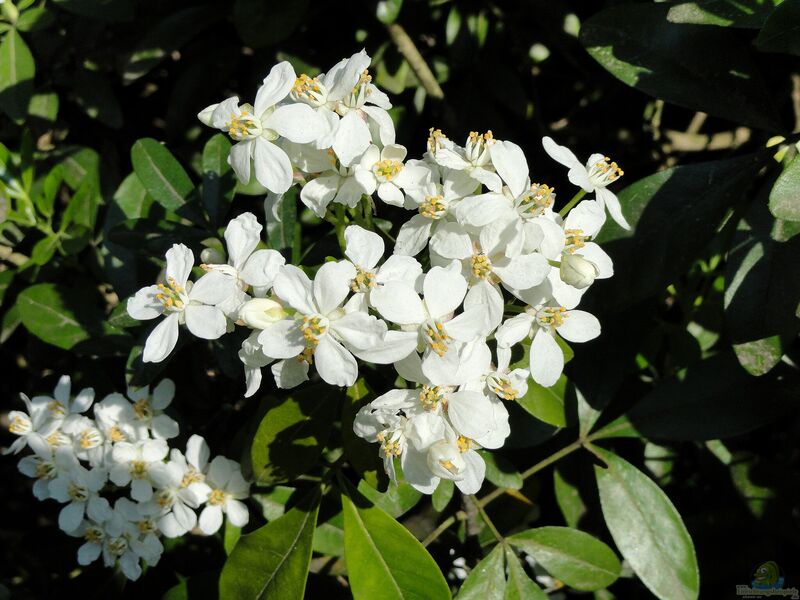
{"x":481,"y":503}
{"x":339,"y":212}
{"x":367,"y":206}
{"x":563,"y":212}
{"x":487,"y":520}
{"x":410,"y":52}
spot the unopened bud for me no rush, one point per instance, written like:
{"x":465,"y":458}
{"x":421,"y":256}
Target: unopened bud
{"x":212,"y":256}
{"x":445,"y":460}
{"x":577,"y":271}
{"x":258,"y":313}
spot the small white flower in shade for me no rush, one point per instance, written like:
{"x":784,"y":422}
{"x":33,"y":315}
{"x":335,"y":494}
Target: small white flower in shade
{"x":93,"y":534}
{"x":180,"y":301}
{"x":253,"y":359}
{"x":227,"y":489}
{"x":80,"y":489}
{"x":146,"y":411}
{"x":428,"y":324}
{"x":336,"y":183}
{"x":383,"y":171}
{"x":454,"y":458}
{"x":116,"y":420}
{"x":350,"y":104}
{"x":36,"y":427}
{"x":504,"y":382}
{"x":474,"y":159}
{"x":598,"y":173}
{"x":129,"y":538}
{"x":176,"y":495}
{"x":256,"y":129}
{"x":541,"y":323}
{"x":517,"y":200}
{"x":44,"y":467}
{"x":570,"y":243}
{"x":246,"y":265}
{"x":364,"y":249}
{"x":322,"y":331}
{"x":87,"y":439}
{"x":133,"y":464}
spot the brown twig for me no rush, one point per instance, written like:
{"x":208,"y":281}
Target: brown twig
{"x":409,"y":51}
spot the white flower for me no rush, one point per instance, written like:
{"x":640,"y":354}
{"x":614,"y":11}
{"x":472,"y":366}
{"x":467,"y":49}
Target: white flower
{"x":44,"y":467}
{"x":253,"y":359}
{"x":227,"y":487}
{"x":246,"y":265}
{"x":384,"y":171}
{"x":177,"y":494}
{"x":349,"y":103}
{"x":128,"y":538}
{"x":87,"y":440}
{"x":541,"y":323}
{"x":134,"y":463}
{"x":454,"y":458}
{"x":505,"y":383}
{"x":336,"y":183}
{"x":321,"y":330}
{"x":593,"y":177}
{"x":147,"y":411}
{"x":117,"y":421}
{"x":257,"y":128}
{"x":34,"y":427}
{"x":80,"y":489}
{"x":181,"y":302}
{"x":474,"y":158}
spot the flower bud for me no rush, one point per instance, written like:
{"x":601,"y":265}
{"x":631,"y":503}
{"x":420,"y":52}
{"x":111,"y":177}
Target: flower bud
{"x":445,"y":460}
{"x":577,"y":271}
{"x":261,"y":312}
{"x":212,"y":256}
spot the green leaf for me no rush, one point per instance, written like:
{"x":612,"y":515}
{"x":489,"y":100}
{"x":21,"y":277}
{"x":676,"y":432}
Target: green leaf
{"x":6,"y":277}
{"x":272,"y":562}
{"x":80,"y":164}
{"x":17,"y":70}
{"x":45,"y":200}
{"x":384,"y":560}
{"x":784,"y":199}
{"x":647,"y":529}
{"x":781,"y":32}
{"x":35,"y":19}
{"x":293,"y":433}
{"x":487,"y":581}
{"x":44,"y":249}
{"x":219,"y":182}
{"x":568,"y":498}
{"x":700,"y":68}
{"x":44,"y":106}
{"x":230,"y":536}
{"x":64,"y":317}
{"x":161,"y":174}
{"x":262,"y":24}
{"x":715,"y":400}
{"x":519,"y":586}
{"x":500,"y":471}
{"x":442,"y":494}
{"x":131,"y":201}
{"x":396,"y":500}
{"x":578,"y":559}
{"x":748,"y":14}
{"x":9,"y":323}
{"x":169,"y":34}
{"x":673,"y":214}
{"x":93,"y":93}
{"x":329,"y":539}
{"x":120,"y":318}
{"x":546,"y":403}
{"x":154,"y":237}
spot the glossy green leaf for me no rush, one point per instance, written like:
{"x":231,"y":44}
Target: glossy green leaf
{"x":443,"y":494}
{"x":384,"y":560}
{"x":161,"y":174}
{"x":701,"y":68}
{"x":64,"y":317}
{"x":44,"y":249}
{"x":398,"y":498}
{"x":17,"y":70}
{"x":219,"y":181}
{"x":329,"y":539}
{"x":546,"y":403}
{"x":131,"y":200}
{"x":500,"y":471}
{"x":272,"y":562}
{"x":35,"y":19}
{"x":716,"y":399}
{"x":487,"y":581}
{"x":578,"y":559}
{"x":748,"y":14}
{"x":781,"y":32}
{"x":568,"y":498}
{"x":519,"y":586}
{"x":44,"y":106}
{"x":647,"y":529}
{"x":79,"y":165}
{"x":673,"y":213}
{"x":292,"y":433}
{"x":784,"y":199}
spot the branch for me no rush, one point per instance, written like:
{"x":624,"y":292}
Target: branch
{"x":409,"y":51}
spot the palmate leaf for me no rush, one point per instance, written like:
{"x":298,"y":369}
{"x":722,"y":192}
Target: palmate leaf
{"x":647,"y":529}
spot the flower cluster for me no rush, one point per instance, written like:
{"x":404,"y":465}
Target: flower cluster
{"x":495,"y":246}
{"x":123,"y":455}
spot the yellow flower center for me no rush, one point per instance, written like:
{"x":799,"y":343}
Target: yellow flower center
{"x":138,"y":469}
{"x":217,"y":497}
{"x":604,"y":172}
{"x":436,"y":140}
{"x":20,"y":425}
{"x":90,"y":438}
{"x":312,"y":329}
{"x":552,"y":316}
{"x":171,"y":295}
{"x":389,"y":445}
{"x":574,"y":240}
{"x":165,"y":498}
{"x":437,"y":338}
{"x":503,"y":388}
{"x":306,"y":87}
{"x":58,"y":409}
{"x":464,"y":444}
{"x":241,"y":127}
{"x":433,"y":207}
{"x":94,"y":535}
{"x":192,"y":476}
{"x":430,"y":396}
{"x":116,"y":435}
{"x":78,"y":492}
{"x":118,"y":546}
{"x":145,"y":527}
{"x":143,"y":409}
{"x":482,"y":268}
{"x":363,"y":281}
{"x":537,"y":199}
{"x":386,"y":170}
{"x":45,"y":469}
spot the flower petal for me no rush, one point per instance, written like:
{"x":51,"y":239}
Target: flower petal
{"x":560,"y":154}
{"x":443,"y":290}
{"x":276,"y":86}
{"x":510,"y":163}
{"x":612,"y":204}
{"x":207,"y":322}
{"x":579,"y":326}
{"x":451,"y":241}
{"x":180,"y":261}
{"x":294,"y":287}
{"x":282,"y":339}
{"x":332,"y":285}
{"x":547,"y":359}
{"x":413,"y":236}
{"x":144,"y":305}
{"x":352,"y":137}
{"x":241,"y":237}
{"x":359,"y":330}
{"x":334,"y":363}
{"x":296,"y":122}
{"x":290,"y":373}
{"x":261,"y":268}
{"x":399,"y":303}
{"x":239,"y":159}
{"x":273,"y":169}
{"x":364,"y":248}
{"x":161,"y":340}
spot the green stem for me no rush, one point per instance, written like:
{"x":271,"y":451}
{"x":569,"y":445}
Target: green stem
{"x":554,"y":263}
{"x":340,"y":224}
{"x":575,"y":199}
{"x":486,"y":519}
{"x":368,"y":208}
